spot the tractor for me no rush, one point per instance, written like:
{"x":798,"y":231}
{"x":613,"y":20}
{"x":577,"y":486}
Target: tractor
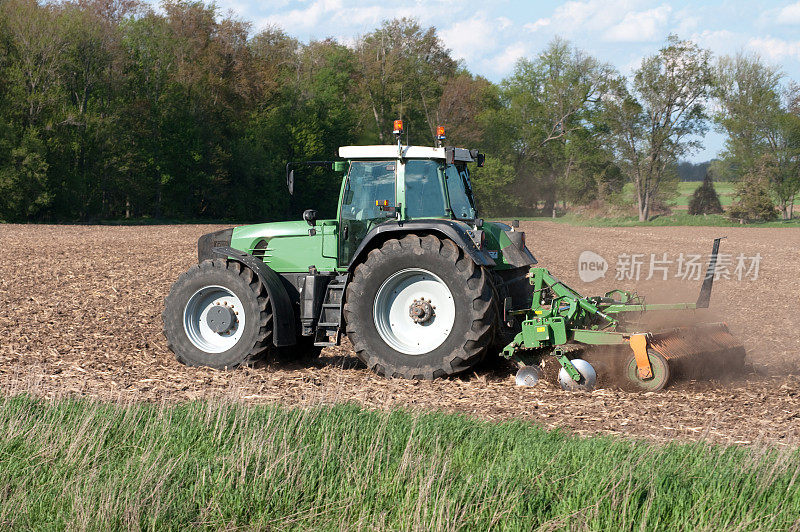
{"x":408,"y":271}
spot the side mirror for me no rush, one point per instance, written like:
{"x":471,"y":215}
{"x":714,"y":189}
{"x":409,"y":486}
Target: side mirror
{"x":481,"y":158}
{"x":339,"y":166}
{"x":290,"y":181}
{"x":310,"y":216}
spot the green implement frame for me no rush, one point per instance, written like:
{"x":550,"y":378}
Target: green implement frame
{"x":559,"y":315}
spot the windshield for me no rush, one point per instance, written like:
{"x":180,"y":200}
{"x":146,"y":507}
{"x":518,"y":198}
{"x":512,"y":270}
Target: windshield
{"x":425,"y":195}
{"x":460,"y":191}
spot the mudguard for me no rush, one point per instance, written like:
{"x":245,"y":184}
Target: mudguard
{"x":209,"y":241}
{"x":451,"y":229}
{"x":284,"y":331}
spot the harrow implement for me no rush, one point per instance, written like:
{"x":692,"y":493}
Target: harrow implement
{"x":559,"y":316}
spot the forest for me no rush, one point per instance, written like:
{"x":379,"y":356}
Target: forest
{"x":113,"y":109}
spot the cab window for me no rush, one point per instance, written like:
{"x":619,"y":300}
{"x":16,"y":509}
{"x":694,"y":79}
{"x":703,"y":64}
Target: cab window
{"x":367,"y":200}
{"x":425,"y":194}
{"x":458,"y":188}
{"x":367,"y":183}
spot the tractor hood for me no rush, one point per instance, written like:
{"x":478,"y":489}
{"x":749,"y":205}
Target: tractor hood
{"x":271,"y":230}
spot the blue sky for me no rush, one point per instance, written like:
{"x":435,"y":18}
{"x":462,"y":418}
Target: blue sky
{"x":489,"y":36}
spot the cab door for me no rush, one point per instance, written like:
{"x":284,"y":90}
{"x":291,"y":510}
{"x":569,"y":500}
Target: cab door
{"x":368,"y":199}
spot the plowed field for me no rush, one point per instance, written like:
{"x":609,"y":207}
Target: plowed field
{"x":80,"y":315}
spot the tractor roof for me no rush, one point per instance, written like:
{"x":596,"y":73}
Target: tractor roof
{"x":406,"y":152}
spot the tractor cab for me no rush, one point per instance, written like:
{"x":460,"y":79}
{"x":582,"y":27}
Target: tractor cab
{"x":401,"y":184}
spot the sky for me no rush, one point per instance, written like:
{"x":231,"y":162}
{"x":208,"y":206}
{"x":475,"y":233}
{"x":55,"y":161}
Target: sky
{"x":489,"y":36}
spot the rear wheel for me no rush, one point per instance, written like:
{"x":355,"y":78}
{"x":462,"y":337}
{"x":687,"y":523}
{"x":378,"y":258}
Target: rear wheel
{"x":217,"y":314}
{"x":419,"y":308}
{"x":660,"y":369}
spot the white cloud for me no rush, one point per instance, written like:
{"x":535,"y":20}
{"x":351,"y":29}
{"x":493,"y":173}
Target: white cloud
{"x":775,"y":49}
{"x":470,"y":37}
{"x":721,"y":42}
{"x":504,"y":22}
{"x":688,"y":20}
{"x":305,"y":18}
{"x":593,"y":15}
{"x":789,"y":14}
{"x":643,"y":26}
{"x":504,"y":61}
{"x":536,"y":26}
{"x":344,"y":18}
{"x":608,"y":20}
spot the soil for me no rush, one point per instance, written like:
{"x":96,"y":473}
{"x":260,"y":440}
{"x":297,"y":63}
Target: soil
{"x":80,"y":314}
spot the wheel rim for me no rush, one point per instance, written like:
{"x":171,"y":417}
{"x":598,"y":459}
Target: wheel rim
{"x":195,"y":319}
{"x":414,"y":311}
{"x":660,"y":372}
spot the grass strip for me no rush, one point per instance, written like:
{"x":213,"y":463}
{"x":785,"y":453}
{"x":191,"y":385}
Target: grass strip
{"x":78,"y":463}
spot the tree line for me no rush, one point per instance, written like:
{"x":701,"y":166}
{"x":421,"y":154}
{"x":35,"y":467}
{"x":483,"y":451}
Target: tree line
{"x":110,"y":109}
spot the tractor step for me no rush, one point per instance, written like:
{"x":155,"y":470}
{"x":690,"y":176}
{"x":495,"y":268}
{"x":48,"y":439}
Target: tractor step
{"x":329,"y":326}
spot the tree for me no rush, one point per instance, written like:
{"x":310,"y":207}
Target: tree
{"x":402,"y":68}
{"x":550,"y":103}
{"x":466,"y":102}
{"x":754,"y":202}
{"x":36,"y":43}
{"x":490,"y":185}
{"x":656,"y":121}
{"x":762,"y":124}
{"x":705,"y":199}
{"x":784,"y":152}
{"x":23,"y":176}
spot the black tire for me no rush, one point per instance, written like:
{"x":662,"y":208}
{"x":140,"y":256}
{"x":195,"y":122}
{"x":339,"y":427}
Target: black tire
{"x":503,"y":334}
{"x":245,"y":285}
{"x":469,"y":285}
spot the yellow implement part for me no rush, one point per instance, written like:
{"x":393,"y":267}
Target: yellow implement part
{"x":639,"y":345}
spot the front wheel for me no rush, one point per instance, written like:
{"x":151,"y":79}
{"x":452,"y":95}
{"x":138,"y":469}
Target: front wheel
{"x":419,"y":308}
{"x":217,"y":314}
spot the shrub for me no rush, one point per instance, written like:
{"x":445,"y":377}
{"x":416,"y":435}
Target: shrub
{"x":705,"y":199}
{"x":754,"y":202}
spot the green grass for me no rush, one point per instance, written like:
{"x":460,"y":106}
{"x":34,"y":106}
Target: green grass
{"x":82,"y":464}
{"x":725,"y":190}
{"x":676,"y":219}
{"x":679,"y":217}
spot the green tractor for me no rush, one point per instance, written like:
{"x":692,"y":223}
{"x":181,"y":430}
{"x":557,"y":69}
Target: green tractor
{"x":407,"y":271}
{"x":421,"y":285}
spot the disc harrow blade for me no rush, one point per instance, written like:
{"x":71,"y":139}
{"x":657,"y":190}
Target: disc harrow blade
{"x":701,"y":351}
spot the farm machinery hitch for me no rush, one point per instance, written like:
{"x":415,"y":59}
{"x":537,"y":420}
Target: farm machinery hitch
{"x":559,"y":317}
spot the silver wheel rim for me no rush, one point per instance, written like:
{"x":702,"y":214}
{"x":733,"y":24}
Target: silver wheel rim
{"x":393,"y":301}
{"x":195,"y":319}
